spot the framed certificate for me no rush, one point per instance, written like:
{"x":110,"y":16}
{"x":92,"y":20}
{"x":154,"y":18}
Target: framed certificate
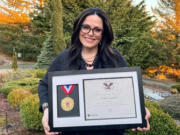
{"x":96,"y":99}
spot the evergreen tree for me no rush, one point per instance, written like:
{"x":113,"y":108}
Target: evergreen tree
{"x":55,"y":39}
{"x":19,"y":37}
{"x":41,"y":24}
{"x":41,"y":19}
{"x":11,"y":34}
{"x":132,"y":27}
{"x":47,"y":54}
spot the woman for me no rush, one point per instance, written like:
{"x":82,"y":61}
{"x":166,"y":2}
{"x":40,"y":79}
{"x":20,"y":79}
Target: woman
{"x":90,"y":49}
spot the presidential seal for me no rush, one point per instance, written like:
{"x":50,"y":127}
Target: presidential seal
{"x":67,"y":104}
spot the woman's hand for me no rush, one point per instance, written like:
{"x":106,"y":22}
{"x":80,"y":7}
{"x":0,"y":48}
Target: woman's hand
{"x":148,"y":115}
{"x":45,"y":120}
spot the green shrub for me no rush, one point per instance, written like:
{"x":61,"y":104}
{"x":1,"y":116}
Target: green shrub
{"x":27,"y":83}
{"x":16,"y":96}
{"x":34,"y":89}
{"x":178,"y":79}
{"x":3,"y":74}
{"x":8,"y":87}
{"x":29,"y":111}
{"x":161,"y":123}
{"x":18,"y":74}
{"x":39,"y":73}
{"x":174,"y":91}
{"x":47,"y":54}
{"x":176,"y":87}
{"x":2,"y":121}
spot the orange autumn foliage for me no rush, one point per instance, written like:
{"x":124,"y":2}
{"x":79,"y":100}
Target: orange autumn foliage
{"x":178,"y":45}
{"x":13,"y":17}
{"x":151,"y":70}
{"x":17,"y":11}
{"x":172,"y":21}
{"x":153,"y":33}
{"x":177,"y":8}
{"x":161,"y":77}
{"x":163,"y":71}
{"x":171,"y":37}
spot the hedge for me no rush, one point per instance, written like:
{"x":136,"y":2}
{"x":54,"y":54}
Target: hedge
{"x":161,"y":123}
{"x":30,"y":115}
{"x":39,"y":73}
{"x":27,"y":83}
{"x":16,"y":96}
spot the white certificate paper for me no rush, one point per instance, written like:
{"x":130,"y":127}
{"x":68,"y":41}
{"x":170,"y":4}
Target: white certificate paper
{"x":109,"y":98}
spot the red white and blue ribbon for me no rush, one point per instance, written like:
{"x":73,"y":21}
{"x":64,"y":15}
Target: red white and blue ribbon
{"x":67,"y":88}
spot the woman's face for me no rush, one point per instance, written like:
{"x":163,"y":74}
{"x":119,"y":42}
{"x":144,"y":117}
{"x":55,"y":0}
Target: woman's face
{"x":91,"y":32}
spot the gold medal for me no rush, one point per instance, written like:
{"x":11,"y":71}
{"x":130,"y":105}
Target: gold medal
{"x":67,"y":104}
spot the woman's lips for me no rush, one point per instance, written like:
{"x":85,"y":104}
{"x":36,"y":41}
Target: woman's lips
{"x":89,"y":39}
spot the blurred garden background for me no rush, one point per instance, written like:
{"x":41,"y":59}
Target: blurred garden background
{"x":33,"y":32}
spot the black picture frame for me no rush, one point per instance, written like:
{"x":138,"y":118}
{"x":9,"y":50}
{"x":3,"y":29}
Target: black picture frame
{"x":58,"y":78}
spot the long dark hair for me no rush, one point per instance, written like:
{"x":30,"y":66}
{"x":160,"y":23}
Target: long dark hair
{"x":105,"y":52}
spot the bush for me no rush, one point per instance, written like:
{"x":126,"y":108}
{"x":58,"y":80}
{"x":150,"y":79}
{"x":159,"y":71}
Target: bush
{"x":161,"y":123}
{"x":34,"y":89}
{"x":2,"y":121}
{"x":3,"y":74}
{"x":39,"y":73}
{"x":47,"y":54}
{"x":171,"y":105}
{"x":18,"y":74}
{"x":16,"y":96}
{"x":29,"y":111}
{"x":174,"y":91}
{"x":27,"y":83}
{"x":178,"y":79}
{"x":8,"y":87}
{"x":176,"y":87}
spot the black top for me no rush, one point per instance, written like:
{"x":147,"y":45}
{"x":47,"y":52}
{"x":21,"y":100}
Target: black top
{"x":61,"y":63}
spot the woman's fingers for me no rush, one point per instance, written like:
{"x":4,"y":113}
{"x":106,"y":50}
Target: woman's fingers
{"x":47,"y":128}
{"x":148,"y":125}
{"x":148,"y":115}
{"x":46,"y":125}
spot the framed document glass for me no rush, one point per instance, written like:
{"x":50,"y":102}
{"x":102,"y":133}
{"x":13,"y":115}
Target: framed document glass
{"x":96,"y":99}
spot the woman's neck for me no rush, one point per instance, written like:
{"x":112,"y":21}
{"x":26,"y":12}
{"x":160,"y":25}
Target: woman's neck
{"x":89,"y":53}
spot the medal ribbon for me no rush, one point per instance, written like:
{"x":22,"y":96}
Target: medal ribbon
{"x":67,"y":88}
